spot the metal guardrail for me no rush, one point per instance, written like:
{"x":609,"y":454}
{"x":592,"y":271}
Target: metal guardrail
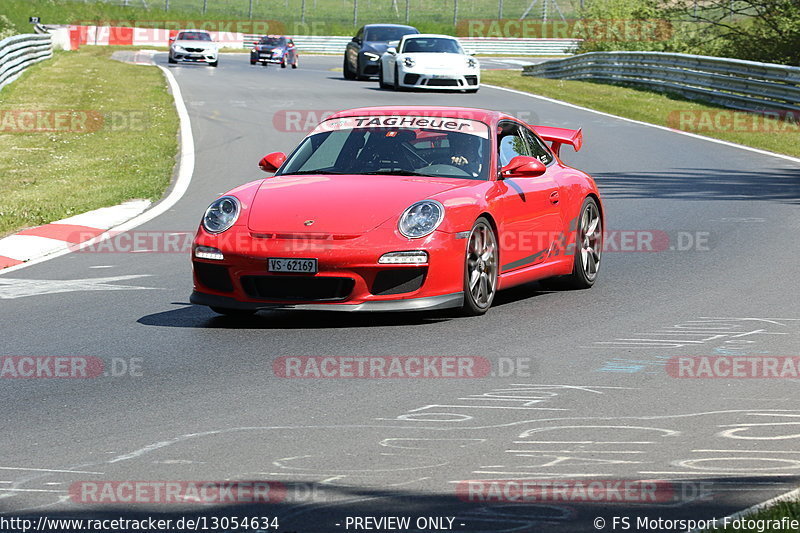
{"x":322,"y":44}
{"x":733,"y":83}
{"x":21,"y":51}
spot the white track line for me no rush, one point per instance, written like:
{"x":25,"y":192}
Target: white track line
{"x":185,"y":171}
{"x":679,"y":132}
{"x":795,"y":494}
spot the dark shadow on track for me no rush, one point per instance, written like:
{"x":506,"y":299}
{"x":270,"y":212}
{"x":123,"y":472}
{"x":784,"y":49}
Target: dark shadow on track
{"x":195,"y":316}
{"x":318,"y":508}
{"x":776,"y":184}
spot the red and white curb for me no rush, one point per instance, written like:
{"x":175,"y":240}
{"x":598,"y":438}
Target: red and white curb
{"x":120,"y":218}
{"x":41,"y":241}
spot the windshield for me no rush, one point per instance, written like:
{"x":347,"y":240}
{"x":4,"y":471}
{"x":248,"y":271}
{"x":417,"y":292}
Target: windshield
{"x":432,"y":44}
{"x":394,"y":145}
{"x":193,"y":36}
{"x":387,"y":33}
{"x":272,"y":41}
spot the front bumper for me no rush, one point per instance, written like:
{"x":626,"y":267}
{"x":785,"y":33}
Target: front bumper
{"x":349,"y":275}
{"x":439,"y":80}
{"x":267,"y":57}
{"x":195,"y":57}
{"x":430,"y":303}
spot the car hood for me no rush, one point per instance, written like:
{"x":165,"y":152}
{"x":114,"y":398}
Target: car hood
{"x":378,"y":47}
{"x":196,"y":44}
{"x":338,"y":205}
{"x":429,"y":60}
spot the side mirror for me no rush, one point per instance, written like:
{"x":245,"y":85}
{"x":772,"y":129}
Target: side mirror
{"x":471,"y":52}
{"x":172,"y":39}
{"x":356,"y":40}
{"x":391,"y":51}
{"x":523,"y":166}
{"x":272,"y":162}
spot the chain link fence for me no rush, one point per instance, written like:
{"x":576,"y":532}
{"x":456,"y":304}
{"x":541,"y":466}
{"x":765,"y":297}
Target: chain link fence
{"x":425,"y":14}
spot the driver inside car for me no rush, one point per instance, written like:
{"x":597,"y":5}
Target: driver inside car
{"x":465,"y":153}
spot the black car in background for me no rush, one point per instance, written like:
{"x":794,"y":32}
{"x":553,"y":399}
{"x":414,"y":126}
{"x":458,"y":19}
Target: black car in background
{"x":363,"y":53}
{"x":277,"y":49}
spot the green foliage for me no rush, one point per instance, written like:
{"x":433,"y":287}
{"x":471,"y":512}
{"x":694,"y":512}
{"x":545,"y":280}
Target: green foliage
{"x":758,"y":30}
{"x":7,"y":28}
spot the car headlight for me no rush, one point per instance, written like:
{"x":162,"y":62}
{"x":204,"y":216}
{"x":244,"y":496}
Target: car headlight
{"x":408,"y":62}
{"x":178,"y":48}
{"x":421,"y":219}
{"x":371,"y":56}
{"x":221,"y":214}
{"x":472,"y":63}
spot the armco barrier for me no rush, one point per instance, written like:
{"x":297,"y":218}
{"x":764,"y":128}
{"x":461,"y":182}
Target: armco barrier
{"x":323,"y":44}
{"x":21,"y":51}
{"x":733,"y":83}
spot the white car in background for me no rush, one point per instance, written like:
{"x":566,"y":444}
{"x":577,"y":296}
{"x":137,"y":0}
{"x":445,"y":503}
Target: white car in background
{"x":429,"y":61}
{"x":193,"y":46}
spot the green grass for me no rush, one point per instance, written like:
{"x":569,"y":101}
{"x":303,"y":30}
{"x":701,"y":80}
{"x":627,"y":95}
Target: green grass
{"x":322,"y":17}
{"x":52,"y":175}
{"x":662,"y":109}
{"x":790,"y":510}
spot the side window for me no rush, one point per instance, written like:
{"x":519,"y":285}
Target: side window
{"x":538,"y":148}
{"x":511,"y":143}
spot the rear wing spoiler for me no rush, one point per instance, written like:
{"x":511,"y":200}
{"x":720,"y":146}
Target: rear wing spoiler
{"x":559,"y":136}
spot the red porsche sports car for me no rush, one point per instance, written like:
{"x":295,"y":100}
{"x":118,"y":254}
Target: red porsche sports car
{"x":402,"y":208}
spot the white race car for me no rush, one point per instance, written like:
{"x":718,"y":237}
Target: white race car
{"x":194,"y":46}
{"x":428,"y":61}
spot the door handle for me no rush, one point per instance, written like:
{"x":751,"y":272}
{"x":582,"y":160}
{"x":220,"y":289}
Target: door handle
{"x":554,"y":198}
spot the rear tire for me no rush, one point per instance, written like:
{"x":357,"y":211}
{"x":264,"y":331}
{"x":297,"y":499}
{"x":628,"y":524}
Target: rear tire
{"x":481,"y":265}
{"x":234,"y":312}
{"x":587,"y":249}
{"x":296,"y":62}
{"x":381,"y":83}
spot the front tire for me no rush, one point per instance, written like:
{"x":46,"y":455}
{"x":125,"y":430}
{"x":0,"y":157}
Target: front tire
{"x":481,"y":265}
{"x":588,"y":247}
{"x":396,"y":78}
{"x":283,"y":63}
{"x":234,"y":312}
{"x":346,"y":72}
{"x":215,"y":63}
{"x":171,"y":60}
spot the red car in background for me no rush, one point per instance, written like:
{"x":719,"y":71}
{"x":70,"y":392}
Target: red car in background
{"x":277,"y":49}
{"x":402,"y":208}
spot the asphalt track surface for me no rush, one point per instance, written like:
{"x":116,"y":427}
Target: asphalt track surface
{"x":595,"y":402}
